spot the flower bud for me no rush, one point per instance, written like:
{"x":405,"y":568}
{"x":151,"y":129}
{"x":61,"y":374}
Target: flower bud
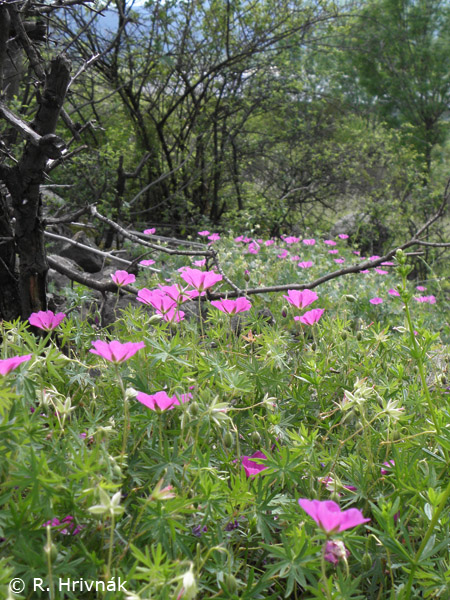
{"x":284,"y":312}
{"x":228,"y":440}
{"x":194,"y":408}
{"x":256,"y":438}
{"x":247,"y":276}
{"x":230,"y":583}
{"x":350,"y":298}
{"x":344,"y":335}
{"x":50,"y":550}
{"x":366,"y":561}
{"x":400,"y":256}
{"x":359,"y":336}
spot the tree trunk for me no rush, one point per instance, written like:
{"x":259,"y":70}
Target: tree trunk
{"x":23,"y":182}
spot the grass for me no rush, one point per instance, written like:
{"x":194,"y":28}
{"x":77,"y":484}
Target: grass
{"x":161,"y":499}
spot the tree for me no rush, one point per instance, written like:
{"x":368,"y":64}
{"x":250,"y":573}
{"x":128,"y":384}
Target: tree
{"x":401,"y":52}
{"x":23,"y":167}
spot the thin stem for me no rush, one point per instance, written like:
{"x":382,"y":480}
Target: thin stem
{"x":48,"y":551}
{"x":323,"y":566}
{"x":110,"y":549}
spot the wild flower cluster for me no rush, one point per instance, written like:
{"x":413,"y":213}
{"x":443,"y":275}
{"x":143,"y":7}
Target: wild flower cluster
{"x":254,"y":448}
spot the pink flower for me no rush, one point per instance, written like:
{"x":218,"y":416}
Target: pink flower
{"x":160,"y":301}
{"x":420,"y":288}
{"x":335,"y":551}
{"x":292,"y":240}
{"x":339,"y":260}
{"x":9,"y":364}
{"x":231,"y":307}
{"x":310,"y":317}
{"x":343,"y":236}
{"x":214,"y":237}
{"x":149,"y":231}
{"x":147,"y":262}
{"x":374,"y":257}
{"x":387,"y":263}
{"x":161,"y":401}
{"x":296,"y":257}
{"x":175,"y":292}
{"x":388,"y":464}
{"x":365,"y":271}
{"x":123,"y":278}
{"x":116,"y":352}
{"x":330,"y":517}
{"x":301,"y":299}
{"x":269,"y":242}
{"x":200,"y":280}
{"x":253,"y":248}
{"x":309,"y":242}
{"x":203,"y":233}
{"x":238,"y":239}
{"x":251,"y":467}
{"x":283,"y":254}
{"x":393,"y":292}
{"x":46,"y":320}
{"x":306,"y":264}
{"x":69,"y":526}
{"x":173,"y":315}
{"x":427,"y":299}
{"x":333,"y":251}
{"x":380,"y":271}
{"x":329,"y":242}
{"x":357,"y":252}
{"x":200,"y":263}
{"x":376,"y":301}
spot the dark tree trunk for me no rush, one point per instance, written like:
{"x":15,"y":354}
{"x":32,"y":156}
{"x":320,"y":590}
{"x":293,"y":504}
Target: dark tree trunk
{"x":23,"y":182}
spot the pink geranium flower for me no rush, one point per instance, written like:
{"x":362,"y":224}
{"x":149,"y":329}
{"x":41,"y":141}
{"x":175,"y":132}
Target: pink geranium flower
{"x":389,"y":464}
{"x":393,"y":292}
{"x":335,"y":551}
{"x":420,"y":288}
{"x":115,"y":351}
{"x":339,"y":260}
{"x":365,"y":271}
{"x":200,"y":263}
{"x":310,"y":242}
{"x":231,"y":307}
{"x":46,"y":320}
{"x":269,"y":242}
{"x":343,"y":236}
{"x":203,"y":233}
{"x":123,"y":278}
{"x":160,"y":301}
{"x":251,"y":467}
{"x":283,"y":254}
{"x":173,"y":315}
{"x":357,"y":252}
{"x":9,"y":364}
{"x":253,"y":248}
{"x":147,"y":262}
{"x":301,"y":299}
{"x":374,"y":257}
{"x":311,"y":317}
{"x":214,"y":237}
{"x":149,"y":231}
{"x":175,"y":292}
{"x":330,"y":517}
{"x":426,"y":299}
{"x":380,"y":271}
{"x":333,"y":251}
{"x":376,"y":301}
{"x":200,"y":280}
{"x":306,"y":264}
{"x":292,"y":240}
{"x":161,"y":401}
{"x":238,"y":239}
{"x":329,"y":242}
{"x":388,"y":263}
{"x":69,"y":527}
